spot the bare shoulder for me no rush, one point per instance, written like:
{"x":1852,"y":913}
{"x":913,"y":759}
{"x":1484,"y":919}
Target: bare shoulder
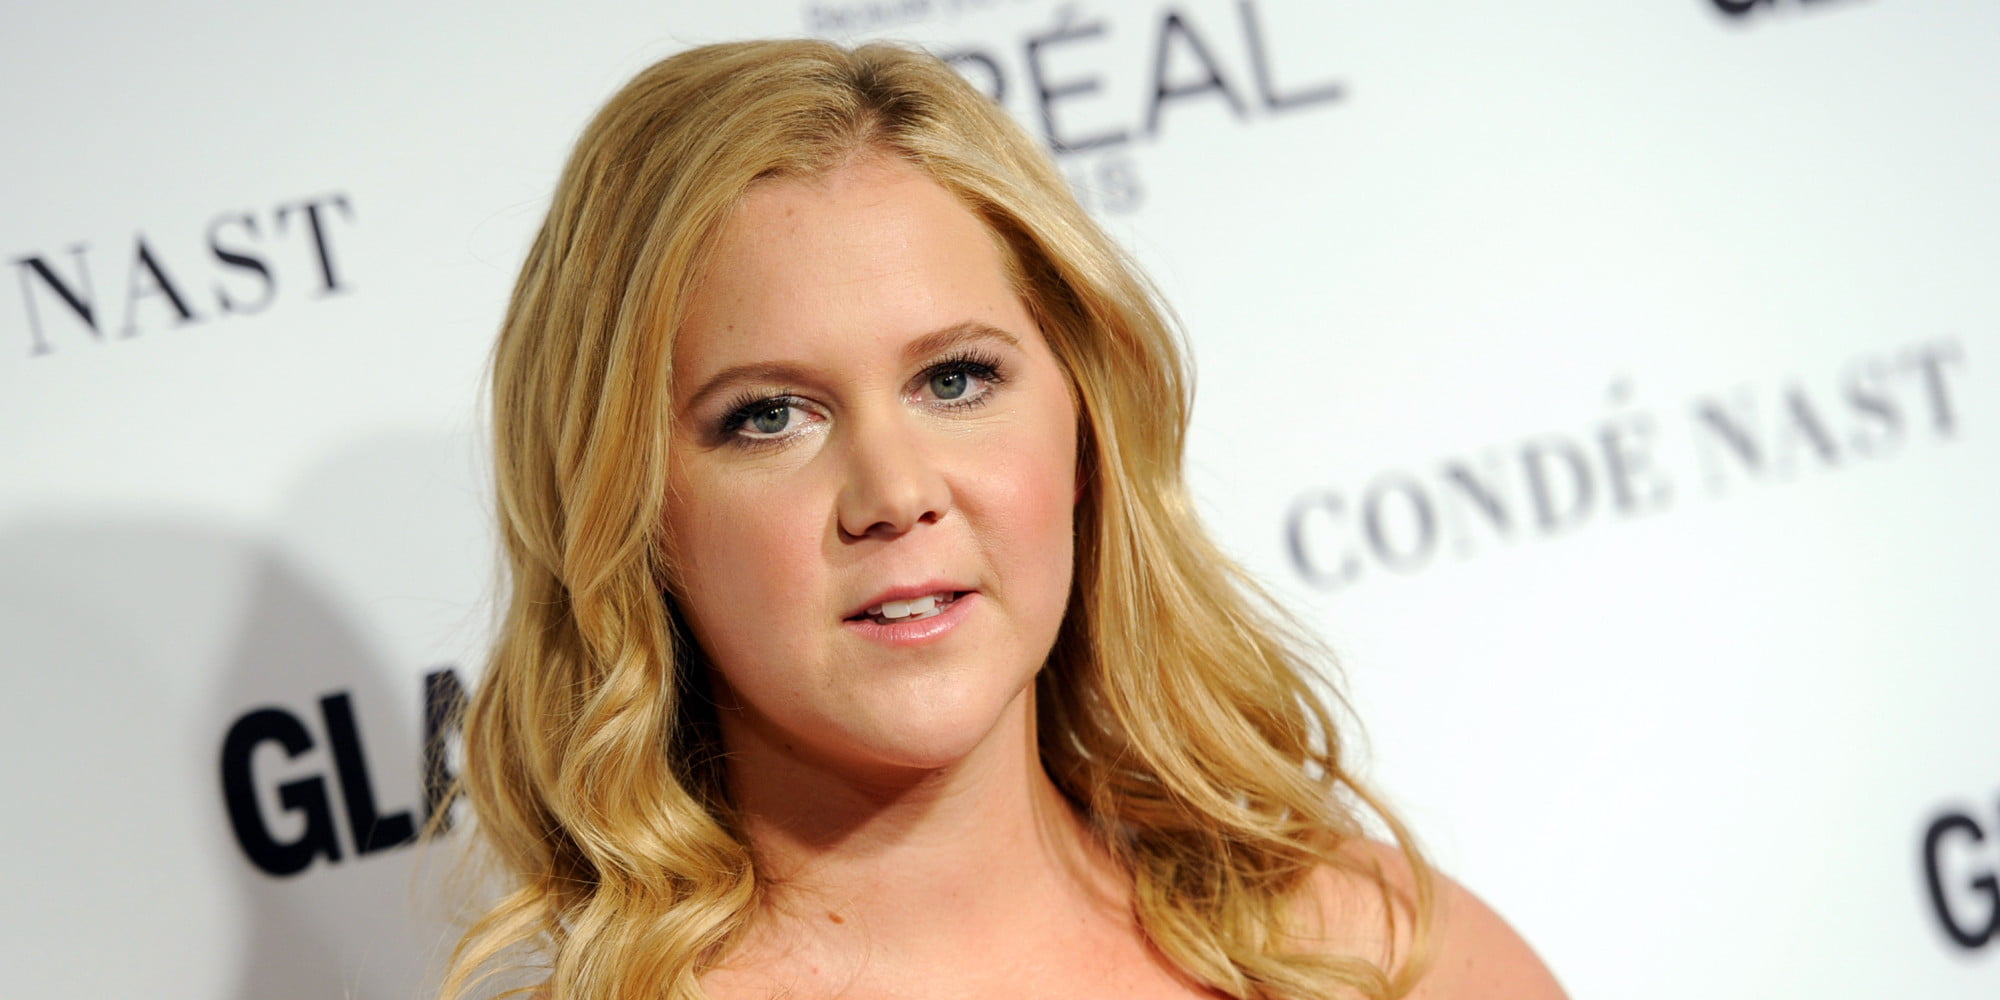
{"x":1472,"y":952}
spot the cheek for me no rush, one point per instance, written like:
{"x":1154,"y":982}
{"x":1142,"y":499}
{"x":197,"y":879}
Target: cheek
{"x":1033,"y":493}
{"x":1030,"y":506}
{"x":741,"y":553}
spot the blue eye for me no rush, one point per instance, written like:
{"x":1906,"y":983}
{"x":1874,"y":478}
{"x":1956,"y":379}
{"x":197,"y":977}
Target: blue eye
{"x":949,"y":384}
{"x":764,"y":420}
{"x":770,"y":419}
{"x":962,"y":381}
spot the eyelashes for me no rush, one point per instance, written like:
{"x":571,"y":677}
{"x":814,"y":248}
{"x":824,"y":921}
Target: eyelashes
{"x":759,"y":418}
{"x":958,"y":382}
{"x":951,"y":379}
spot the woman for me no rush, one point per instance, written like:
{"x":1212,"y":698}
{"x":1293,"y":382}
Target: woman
{"x":862,"y":640}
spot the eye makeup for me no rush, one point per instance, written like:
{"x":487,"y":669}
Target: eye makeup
{"x":759,"y":417}
{"x":972,"y":365}
{"x":747,"y":420}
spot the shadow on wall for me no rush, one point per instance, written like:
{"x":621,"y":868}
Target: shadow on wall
{"x":321,"y":787}
{"x":140,"y":643}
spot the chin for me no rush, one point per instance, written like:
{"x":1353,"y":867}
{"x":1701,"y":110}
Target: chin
{"x":934,"y":736}
{"x":935,"y":750}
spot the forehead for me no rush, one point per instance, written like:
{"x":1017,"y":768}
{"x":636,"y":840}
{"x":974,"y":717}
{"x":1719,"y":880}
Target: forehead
{"x":873,"y":250}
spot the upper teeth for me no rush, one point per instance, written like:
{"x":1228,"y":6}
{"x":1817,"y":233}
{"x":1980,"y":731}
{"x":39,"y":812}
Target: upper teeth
{"x":905,"y":609}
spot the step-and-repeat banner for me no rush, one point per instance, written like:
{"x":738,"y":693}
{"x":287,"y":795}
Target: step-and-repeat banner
{"x":1610,"y":383}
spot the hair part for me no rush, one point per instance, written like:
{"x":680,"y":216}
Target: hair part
{"x":1175,"y":710}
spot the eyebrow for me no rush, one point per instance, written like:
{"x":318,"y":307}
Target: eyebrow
{"x":785,"y":372}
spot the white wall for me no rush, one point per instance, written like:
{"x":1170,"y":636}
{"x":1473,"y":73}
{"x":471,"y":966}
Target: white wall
{"x":1719,"y":285}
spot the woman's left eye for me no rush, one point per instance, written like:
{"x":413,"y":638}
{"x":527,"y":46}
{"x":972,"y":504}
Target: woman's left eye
{"x":950,"y":385}
{"x":960,"y":383}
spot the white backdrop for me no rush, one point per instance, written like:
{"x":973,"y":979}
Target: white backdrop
{"x":1606,"y":381}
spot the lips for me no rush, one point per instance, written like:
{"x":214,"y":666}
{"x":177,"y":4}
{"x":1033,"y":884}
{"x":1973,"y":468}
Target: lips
{"x":909,"y":604}
{"x":914,"y":609}
{"x":948,"y":608}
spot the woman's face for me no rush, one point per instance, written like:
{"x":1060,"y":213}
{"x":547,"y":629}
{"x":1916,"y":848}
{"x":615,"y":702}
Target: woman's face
{"x":873,"y":475}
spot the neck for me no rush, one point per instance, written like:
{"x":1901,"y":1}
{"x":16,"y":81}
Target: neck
{"x":916,"y":861}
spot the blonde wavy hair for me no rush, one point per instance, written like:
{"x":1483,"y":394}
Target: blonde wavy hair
{"x":1175,"y":709}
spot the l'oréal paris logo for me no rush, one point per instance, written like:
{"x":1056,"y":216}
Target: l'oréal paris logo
{"x":1096,"y":81}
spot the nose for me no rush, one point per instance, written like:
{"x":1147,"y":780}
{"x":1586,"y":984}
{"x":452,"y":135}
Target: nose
{"x":892,"y":482}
